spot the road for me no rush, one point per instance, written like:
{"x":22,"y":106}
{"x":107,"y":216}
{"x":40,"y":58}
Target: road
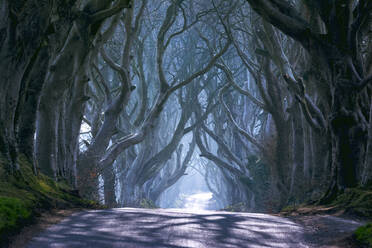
{"x":128,"y":227}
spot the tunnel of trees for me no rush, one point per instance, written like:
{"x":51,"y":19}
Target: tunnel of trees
{"x":268,"y":101}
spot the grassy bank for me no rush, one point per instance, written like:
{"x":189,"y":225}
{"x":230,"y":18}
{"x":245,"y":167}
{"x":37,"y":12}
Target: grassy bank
{"x":238,"y":207}
{"x":24,"y":196}
{"x":357,"y":201}
{"x":354,"y":202}
{"x":363,"y":235}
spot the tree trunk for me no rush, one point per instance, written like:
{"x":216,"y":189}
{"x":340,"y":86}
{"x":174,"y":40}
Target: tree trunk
{"x":61,"y":166}
{"x":308,"y":155}
{"x":27,"y":108}
{"x":348,"y":134}
{"x":87,"y":177}
{"x":297,"y":177}
{"x":46,"y":145}
{"x":132,"y":189}
{"x":109,"y":186}
{"x":343,"y":73}
{"x":20,"y":46}
{"x":67,"y":65}
{"x":348,"y":138}
{"x":367,"y":172}
{"x":58,"y":79}
{"x":282,"y":164}
{"x":75,"y":105}
{"x":131,"y":193}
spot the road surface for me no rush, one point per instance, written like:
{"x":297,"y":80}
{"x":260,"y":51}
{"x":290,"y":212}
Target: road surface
{"x":128,"y":227}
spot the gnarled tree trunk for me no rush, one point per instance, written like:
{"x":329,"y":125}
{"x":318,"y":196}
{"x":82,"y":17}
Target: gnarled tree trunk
{"x":22,"y":64}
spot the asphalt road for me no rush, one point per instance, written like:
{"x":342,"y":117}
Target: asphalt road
{"x":128,"y":227}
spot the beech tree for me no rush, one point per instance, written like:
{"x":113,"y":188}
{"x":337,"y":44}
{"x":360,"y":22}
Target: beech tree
{"x":333,"y":37}
{"x":38,"y":40}
{"x":272,"y":97}
{"x":142,"y":125}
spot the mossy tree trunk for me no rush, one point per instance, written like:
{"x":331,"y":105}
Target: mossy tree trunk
{"x":23,"y":32}
{"x":31,"y":33}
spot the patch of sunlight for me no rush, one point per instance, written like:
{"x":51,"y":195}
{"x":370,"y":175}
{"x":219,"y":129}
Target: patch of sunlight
{"x":85,"y":136}
{"x":198,"y":201}
{"x":84,"y":128}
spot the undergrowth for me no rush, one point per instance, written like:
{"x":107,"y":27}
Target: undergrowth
{"x":356,"y":201}
{"x":147,"y":203}
{"x":238,"y":207}
{"x":24,"y":196}
{"x":13,"y":214}
{"x":363,"y":235}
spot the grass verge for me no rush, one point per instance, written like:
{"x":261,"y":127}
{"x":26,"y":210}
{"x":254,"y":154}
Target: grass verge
{"x":353,"y":202}
{"x":363,"y":235}
{"x":147,"y":203}
{"x":24,"y":196}
{"x":238,"y":207}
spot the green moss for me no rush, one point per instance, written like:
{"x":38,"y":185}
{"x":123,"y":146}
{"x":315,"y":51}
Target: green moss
{"x":146,"y":203}
{"x":13,"y":215}
{"x":363,"y":235}
{"x":24,"y":195}
{"x":289,"y":208}
{"x":238,"y":207}
{"x":356,"y":201}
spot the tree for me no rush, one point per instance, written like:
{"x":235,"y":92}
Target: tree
{"x":68,"y":70}
{"x":24,"y":59}
{"x":334,"y":48}
{"x":37,"y":41}
{"x":144,"y":127}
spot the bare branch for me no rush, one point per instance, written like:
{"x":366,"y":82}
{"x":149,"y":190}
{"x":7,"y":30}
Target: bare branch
{"x":218,"y":161}
{"x":308,"y":107}
{"x":231,"y":118}
{"x":106,"y":13}
{"x":201,"y":118}
{"x":116,"y":67}
{"x":103,"y":83}
{"x":238,"y":88}
{"x":202,"y":71}
{"x":364,"y":82}
{"x":224,"y":147}
{"x":285,"y":17}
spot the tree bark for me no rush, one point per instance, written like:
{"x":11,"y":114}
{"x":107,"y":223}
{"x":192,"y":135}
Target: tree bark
{"x":109,"y":179}
{"x":68,"y":62}
{"x":337,"y":54}
{"x":20,"y":48}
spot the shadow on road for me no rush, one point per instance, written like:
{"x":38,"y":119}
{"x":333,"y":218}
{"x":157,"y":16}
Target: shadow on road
{"x":170,"y":228}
